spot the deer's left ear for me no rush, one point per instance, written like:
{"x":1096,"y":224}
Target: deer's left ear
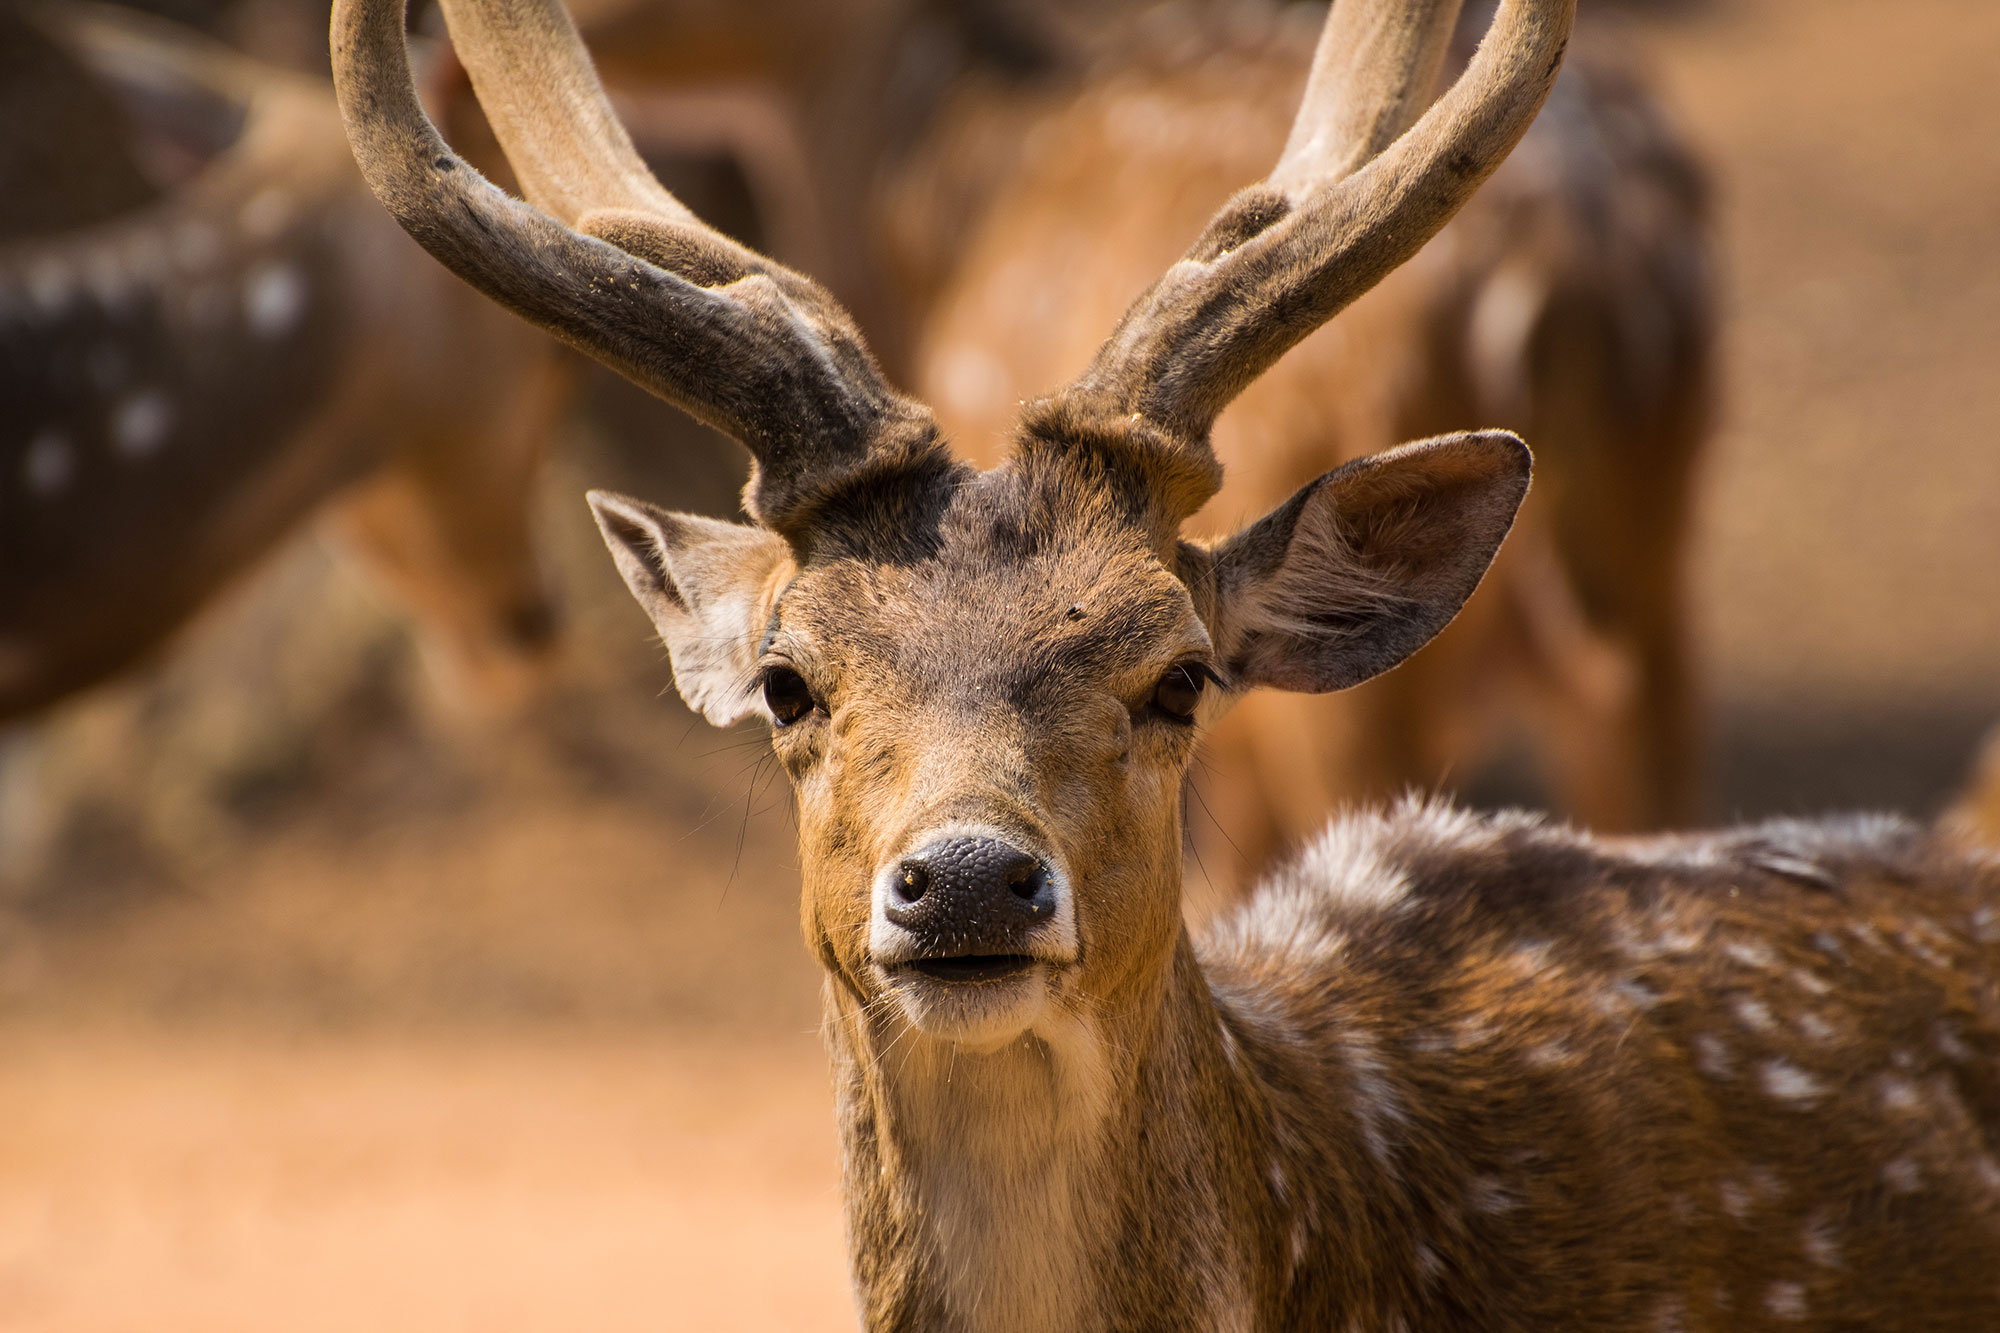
{"x":707,"y":586}
{"x":1363,"y":566}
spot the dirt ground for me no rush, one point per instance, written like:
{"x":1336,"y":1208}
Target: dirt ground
{"x":522,"y":1038}
{"x":561,"y":1181}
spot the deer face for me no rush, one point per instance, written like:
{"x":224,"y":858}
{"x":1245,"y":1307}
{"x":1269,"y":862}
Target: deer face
{"x":986,"y":732}
{"x":988,"y":723}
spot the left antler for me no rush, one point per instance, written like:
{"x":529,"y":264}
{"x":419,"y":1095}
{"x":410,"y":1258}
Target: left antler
{"x":616,"y":266}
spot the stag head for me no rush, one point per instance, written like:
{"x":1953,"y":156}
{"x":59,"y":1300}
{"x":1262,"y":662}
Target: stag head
{"x":987,"y":687}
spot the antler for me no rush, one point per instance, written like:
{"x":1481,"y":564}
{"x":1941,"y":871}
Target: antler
{"x":1348,"y":201}
{"x":616,"y":266}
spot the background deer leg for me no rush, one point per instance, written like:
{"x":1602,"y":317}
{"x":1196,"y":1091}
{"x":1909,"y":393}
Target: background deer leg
{"x":1619,"y":512}
{"x":446,"y":528}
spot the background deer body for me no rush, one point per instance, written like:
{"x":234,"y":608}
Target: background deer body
{"x":1569,"y":300}
{"x":1444,"y":1072}
{"x":194,"y":374}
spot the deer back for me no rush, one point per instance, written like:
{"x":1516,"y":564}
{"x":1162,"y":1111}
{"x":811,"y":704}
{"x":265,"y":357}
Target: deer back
{"x":1755,"y":1076}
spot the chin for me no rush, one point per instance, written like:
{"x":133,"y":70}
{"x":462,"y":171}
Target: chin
{"x":983,"y":1014}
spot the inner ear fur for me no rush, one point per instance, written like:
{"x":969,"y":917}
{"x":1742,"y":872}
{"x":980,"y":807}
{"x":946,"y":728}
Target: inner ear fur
{"x":707,"y":586}
{"x":1367,"y":563}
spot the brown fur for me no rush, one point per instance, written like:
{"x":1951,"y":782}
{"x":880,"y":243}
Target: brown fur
{"x":1445,"y":1072}
{"x":1975,"y":817}
{"x":192,"y":378}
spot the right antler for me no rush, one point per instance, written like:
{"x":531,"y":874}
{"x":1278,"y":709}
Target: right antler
{"x":1348,"y":201}
{"x":616,"y":266}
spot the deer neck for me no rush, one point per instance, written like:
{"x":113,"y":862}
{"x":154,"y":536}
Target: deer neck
{"x":1100,"y":1171}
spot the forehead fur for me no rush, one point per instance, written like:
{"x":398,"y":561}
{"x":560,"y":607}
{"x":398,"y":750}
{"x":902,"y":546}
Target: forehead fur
{"x":1021,"y":575}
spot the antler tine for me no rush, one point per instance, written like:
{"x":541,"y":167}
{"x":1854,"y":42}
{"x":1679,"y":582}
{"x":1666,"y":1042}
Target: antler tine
{"x":540,"y":92}
{"x":1373,"y":74}
{"x":1352,"y":196}
{"x":622,"y":270}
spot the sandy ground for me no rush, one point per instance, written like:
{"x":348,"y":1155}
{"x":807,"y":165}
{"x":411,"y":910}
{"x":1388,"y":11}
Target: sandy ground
{"x":567,"y":1181}
{"x":535,"y":1053}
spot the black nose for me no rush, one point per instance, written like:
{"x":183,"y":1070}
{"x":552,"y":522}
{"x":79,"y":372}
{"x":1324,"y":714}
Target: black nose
{"x":966,"y":896}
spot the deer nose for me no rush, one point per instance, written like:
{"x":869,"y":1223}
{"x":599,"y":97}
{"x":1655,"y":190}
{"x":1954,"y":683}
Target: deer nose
{"x":970,"y":896}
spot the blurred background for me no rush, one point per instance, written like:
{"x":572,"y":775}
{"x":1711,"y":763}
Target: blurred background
{"x":383,"y":944}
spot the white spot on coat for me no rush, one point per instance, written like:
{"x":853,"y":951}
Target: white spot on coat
{"x":1786,"y":1300}
{"x":1377,"y":1108}
{"x":1897,"y":1095}
{"x":1636,"y":993}
{"x":1948,"y":1043}
{"x":274,"y":296}
{"x":1484,"y":1194}
{"x":1787,"y":1082}
{"x":1753,"y":1014}
{"x":1504,"y":316}
{"x":139,"y":425}
{"x":1749,"y":953}
{"x":1549,"y":1055}
{"x":49,"y":464}
{"x":1428,"y":1262}
{"x":1712,"y":1057}
{"x":1819,"y":1241}
{"x":1902,"y":1175}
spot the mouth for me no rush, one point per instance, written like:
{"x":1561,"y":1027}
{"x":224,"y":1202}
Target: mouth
{"x":972,"y":968}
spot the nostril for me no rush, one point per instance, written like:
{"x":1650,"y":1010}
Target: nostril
{"x":958,"y":891}
{"x":912,"y":881}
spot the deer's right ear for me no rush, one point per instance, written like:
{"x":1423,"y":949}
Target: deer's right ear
{"x":706,"y":584}
{"x":1365,"y":565}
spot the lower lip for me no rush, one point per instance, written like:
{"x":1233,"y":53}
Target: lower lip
{"x":990,"y":967}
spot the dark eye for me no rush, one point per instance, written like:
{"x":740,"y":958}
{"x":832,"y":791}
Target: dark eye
{"x":787,"y":695}
{"x":1179,"y":691}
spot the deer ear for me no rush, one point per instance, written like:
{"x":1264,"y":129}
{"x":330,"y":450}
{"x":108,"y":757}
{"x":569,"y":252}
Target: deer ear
{"x":707,"y":586}
{"x":1363,"y":566}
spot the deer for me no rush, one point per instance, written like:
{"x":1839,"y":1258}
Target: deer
{"x":215,"y":352}
{"x":1572,"y":300}
{"x":1445,"y":1070}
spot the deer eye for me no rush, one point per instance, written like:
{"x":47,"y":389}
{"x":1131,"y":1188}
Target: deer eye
{"x":1179,"y":691}
{"x":787,"y":695}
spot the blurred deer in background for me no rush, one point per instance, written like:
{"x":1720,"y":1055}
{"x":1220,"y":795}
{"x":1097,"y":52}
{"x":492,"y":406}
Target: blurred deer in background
{"x":1570,"y":301}
{"x":208,"y":331}
{"x":1445,"y":1071}
{"x":961,"y":161}
{"x":1976,"y":815}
